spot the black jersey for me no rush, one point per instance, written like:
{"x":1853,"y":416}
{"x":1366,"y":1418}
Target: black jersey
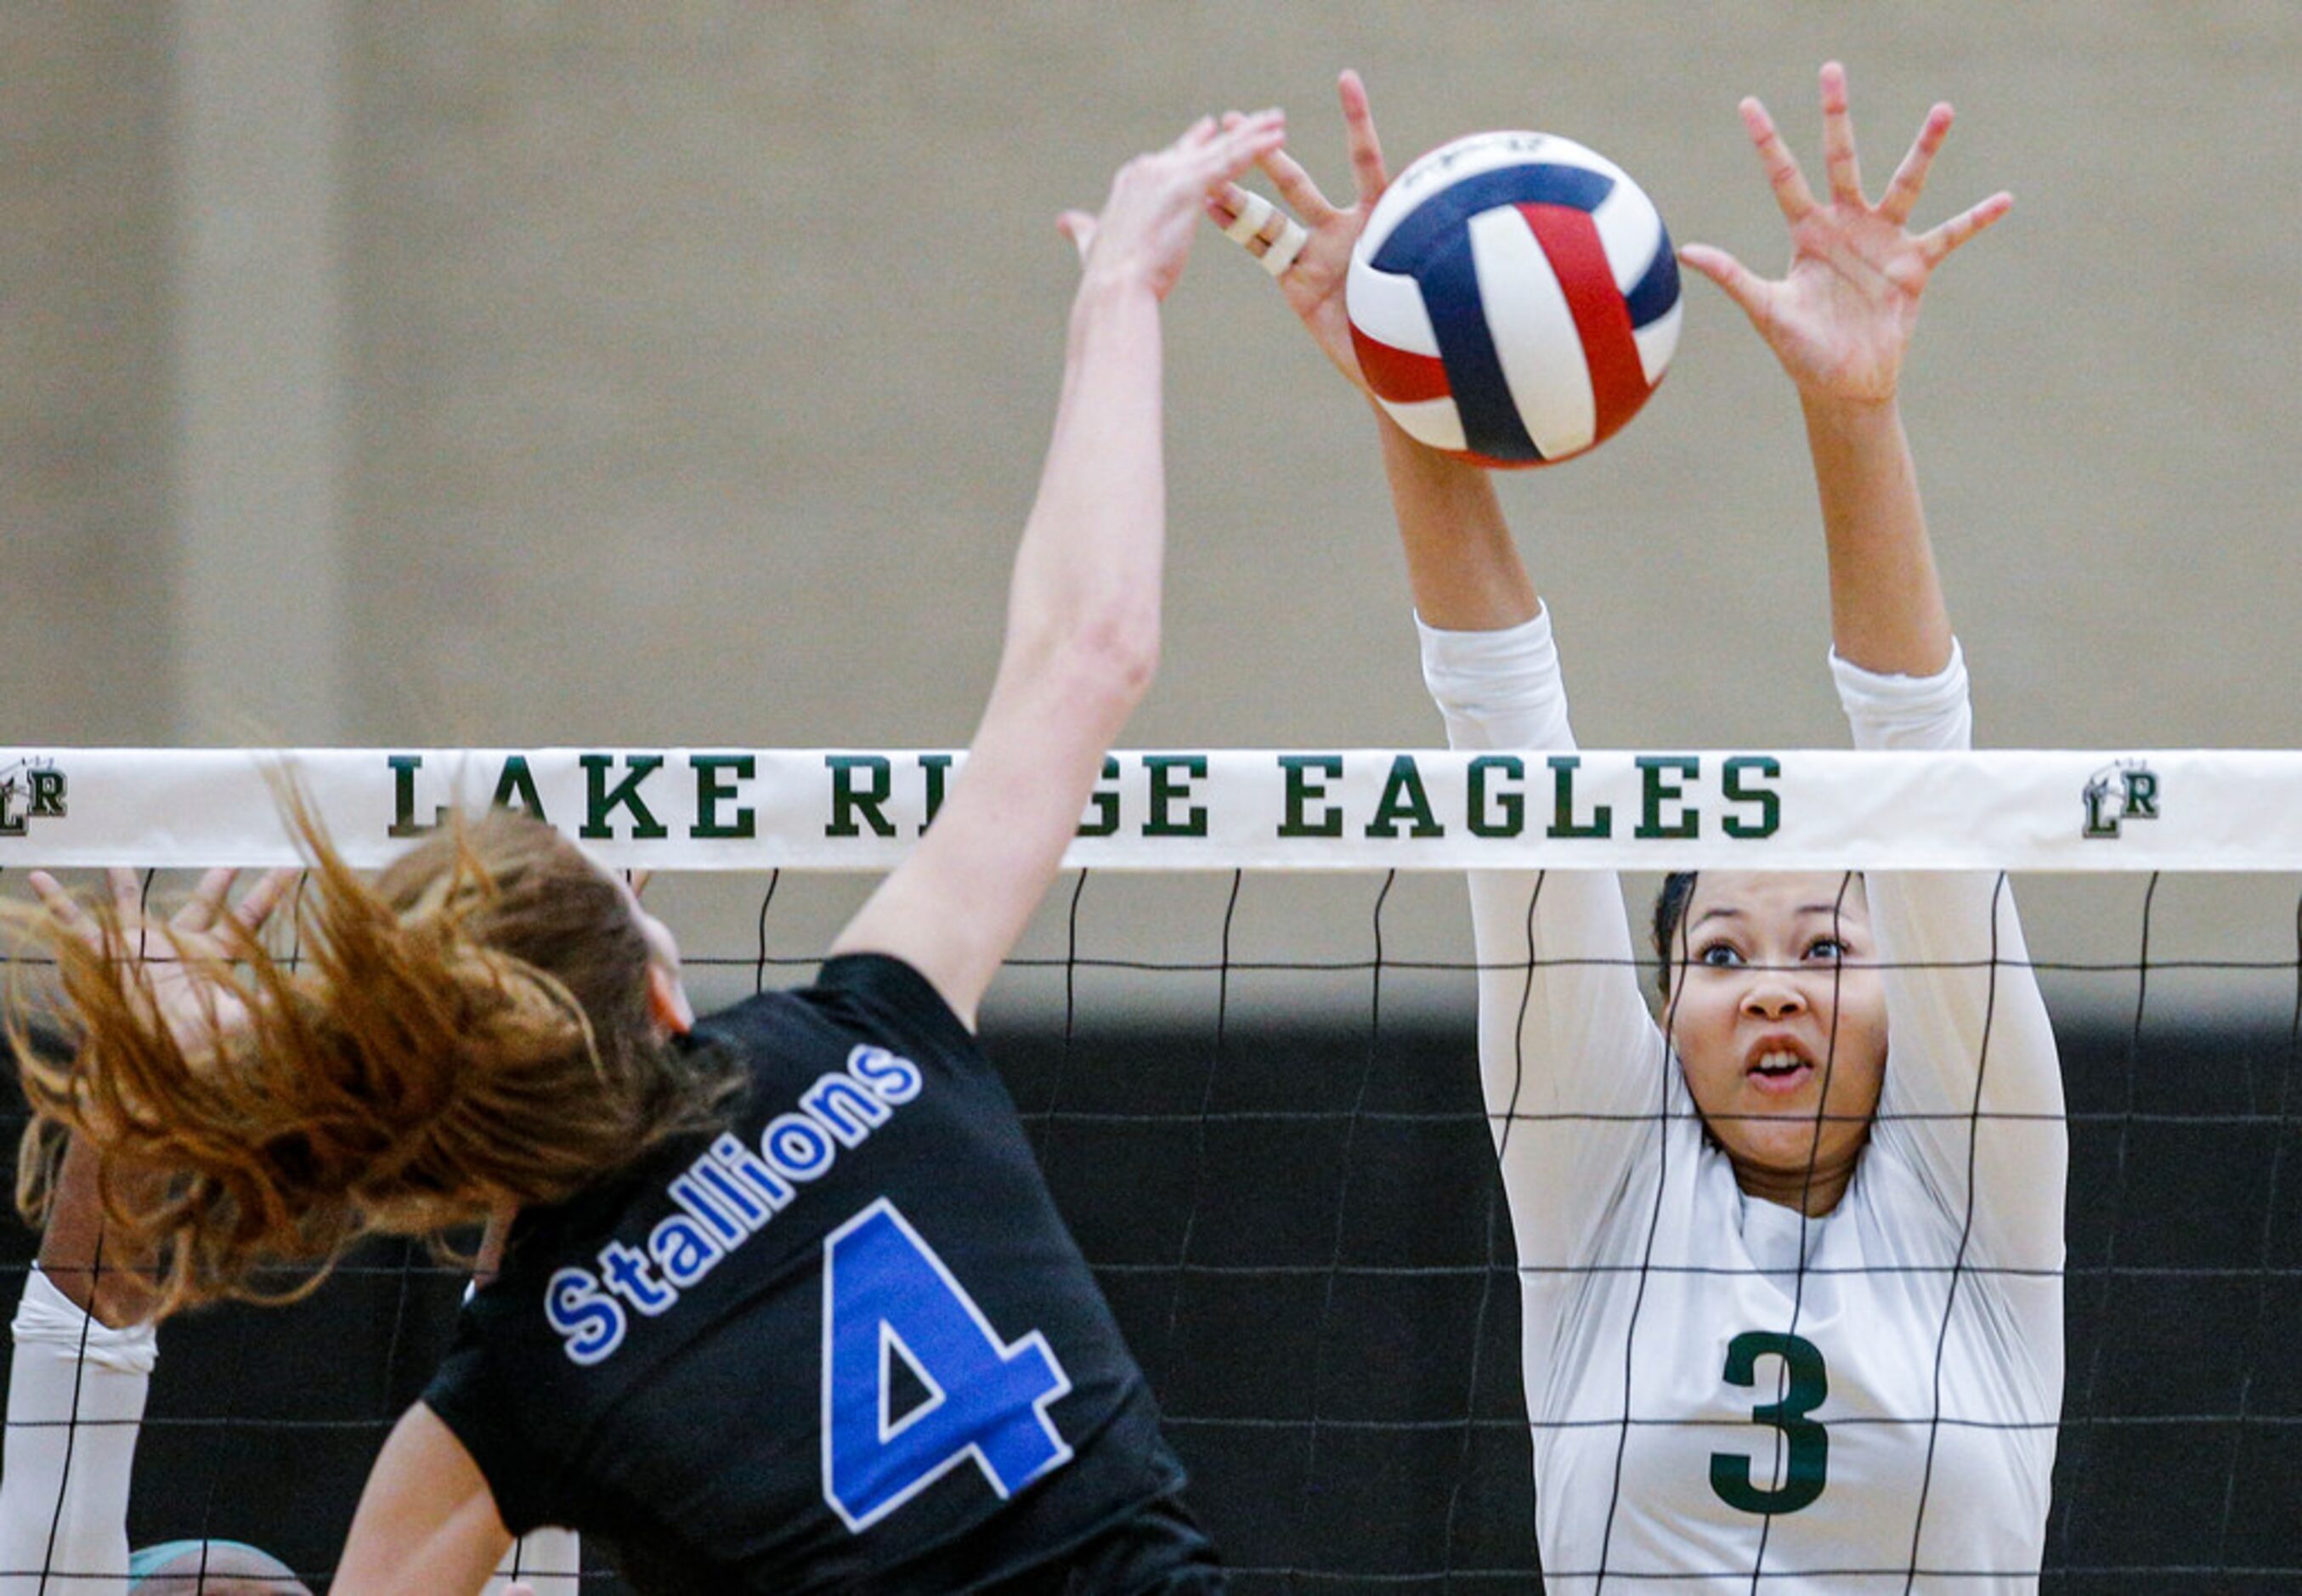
{"x":846,"y":1342}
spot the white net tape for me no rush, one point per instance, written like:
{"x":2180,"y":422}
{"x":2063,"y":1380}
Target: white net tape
{"x":683,"y":809}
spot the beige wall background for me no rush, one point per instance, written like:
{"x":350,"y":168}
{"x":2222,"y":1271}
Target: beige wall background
{"x":421,"y":373}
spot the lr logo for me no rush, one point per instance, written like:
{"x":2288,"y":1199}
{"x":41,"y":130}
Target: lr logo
{"x":2118,"y":792}
{"x":30,"y":791}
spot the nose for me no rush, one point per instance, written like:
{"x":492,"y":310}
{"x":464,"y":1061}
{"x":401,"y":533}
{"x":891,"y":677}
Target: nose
{"x":1772,"y":997}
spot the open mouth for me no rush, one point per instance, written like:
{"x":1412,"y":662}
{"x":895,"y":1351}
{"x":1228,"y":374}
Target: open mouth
{"x":1779,"y":1069}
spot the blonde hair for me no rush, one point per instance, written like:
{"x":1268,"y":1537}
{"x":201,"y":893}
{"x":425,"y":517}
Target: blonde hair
{"x":472,"y":1027}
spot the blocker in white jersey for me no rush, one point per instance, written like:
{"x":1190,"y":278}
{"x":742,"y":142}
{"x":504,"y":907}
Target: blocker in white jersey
{"x":1791,"y":1259}
{"x":1838,"y":1402}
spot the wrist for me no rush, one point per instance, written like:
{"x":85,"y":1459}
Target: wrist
{"x":1105,"y":290}
{"x":1849,"y":414}
{"x":1111,"y":314}
{"x":1402,"y":450}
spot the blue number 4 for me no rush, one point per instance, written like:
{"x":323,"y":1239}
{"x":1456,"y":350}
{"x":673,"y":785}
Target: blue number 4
{"x":886,"y":1295}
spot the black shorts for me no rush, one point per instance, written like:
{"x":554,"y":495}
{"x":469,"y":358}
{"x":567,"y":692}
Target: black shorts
{"x":1160,"y":1551}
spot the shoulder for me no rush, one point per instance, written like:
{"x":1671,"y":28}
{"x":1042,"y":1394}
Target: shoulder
{"x":470,"y":1401}
{"x":870,"y":997}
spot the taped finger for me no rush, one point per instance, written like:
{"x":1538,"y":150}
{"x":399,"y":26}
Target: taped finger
{"x":1254,"y":211}
{"x":1285,"y":247}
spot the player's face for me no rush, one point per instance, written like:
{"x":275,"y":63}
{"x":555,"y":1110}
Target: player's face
{"x":1779,"y":1017}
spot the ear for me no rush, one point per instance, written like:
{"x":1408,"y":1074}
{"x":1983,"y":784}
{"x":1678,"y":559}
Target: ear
{"x":667,"y":1003}
{"x":489,"y":1262}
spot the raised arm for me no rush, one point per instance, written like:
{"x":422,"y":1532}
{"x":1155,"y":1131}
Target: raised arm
{"x":1968,"y":1031}
{"x":1083,"y":607}
{"x":1840,"y":322}
{"x":1462,"y":566}
{"x":78,"y":1379}
{"x":1571,"y":1063}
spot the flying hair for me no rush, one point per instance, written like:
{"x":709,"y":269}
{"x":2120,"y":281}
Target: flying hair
{"x":470,"y":1029}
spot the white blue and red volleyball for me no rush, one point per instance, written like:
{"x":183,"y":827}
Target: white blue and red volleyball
{"x":1514,"y":299}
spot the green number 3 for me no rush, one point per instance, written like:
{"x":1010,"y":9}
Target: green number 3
{"x":1808,"y":1442}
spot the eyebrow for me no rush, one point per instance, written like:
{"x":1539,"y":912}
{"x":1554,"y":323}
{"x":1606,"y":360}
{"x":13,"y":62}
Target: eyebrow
{"x":1725,"y":911}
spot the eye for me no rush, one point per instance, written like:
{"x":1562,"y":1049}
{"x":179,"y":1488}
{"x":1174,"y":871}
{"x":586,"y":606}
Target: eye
{"x":1720,"y":955}
{"x":1827,"y":947}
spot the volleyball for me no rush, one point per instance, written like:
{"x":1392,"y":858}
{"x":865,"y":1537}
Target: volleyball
{"x":1513,"y":299}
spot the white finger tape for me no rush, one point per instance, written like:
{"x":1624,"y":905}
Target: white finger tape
{"x":1252,"y":214}
{"x":1285,"y":247}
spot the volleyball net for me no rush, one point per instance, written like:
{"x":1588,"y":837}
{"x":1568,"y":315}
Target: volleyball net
{"x":1240,"y":1033}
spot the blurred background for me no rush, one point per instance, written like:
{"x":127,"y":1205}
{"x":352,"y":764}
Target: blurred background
{"x":424,"y":373}
{"x":519,"y":373}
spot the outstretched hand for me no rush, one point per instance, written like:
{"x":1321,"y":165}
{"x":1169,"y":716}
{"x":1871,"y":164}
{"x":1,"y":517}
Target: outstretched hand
{"x":1144,"y":232}
{"x":1313,"y":282}
{"x":1841,"y":317}
{"x":207,"y":932}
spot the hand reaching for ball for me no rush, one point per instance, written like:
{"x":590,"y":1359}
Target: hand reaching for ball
{"x":1509,"y":299}
{"x":1841,"y":317}
{"x":1143,"y":235}
{"x":1314,"y":283}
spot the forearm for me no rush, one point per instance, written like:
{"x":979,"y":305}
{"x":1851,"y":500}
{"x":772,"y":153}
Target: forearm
{"x":1462,"y":565}
{"x":80,"y":1373}
{"x":1969,"y":1028}
{"x":1886,"y":609}
{"x":1082,"y":642}
{"x":76,"y":1396}
{"x":1087,"y":569}
{"x":1083,"y":607}
{"x":1569,"y":1061}
{"x":91,"y":1263}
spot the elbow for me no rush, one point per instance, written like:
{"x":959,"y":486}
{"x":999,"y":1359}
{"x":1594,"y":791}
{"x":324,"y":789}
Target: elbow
{"x":1103,"y":661}
{"x":1124,"y":650}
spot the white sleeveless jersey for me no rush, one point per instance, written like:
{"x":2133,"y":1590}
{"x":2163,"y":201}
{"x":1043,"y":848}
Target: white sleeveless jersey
{"x":1703,"y":1409}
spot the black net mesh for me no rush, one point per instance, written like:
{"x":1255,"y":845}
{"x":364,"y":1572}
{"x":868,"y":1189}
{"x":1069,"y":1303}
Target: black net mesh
{"x":1254,"y":1098}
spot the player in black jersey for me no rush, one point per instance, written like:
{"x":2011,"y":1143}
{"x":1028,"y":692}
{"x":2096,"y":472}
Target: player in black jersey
{"x":785,"y":1306}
